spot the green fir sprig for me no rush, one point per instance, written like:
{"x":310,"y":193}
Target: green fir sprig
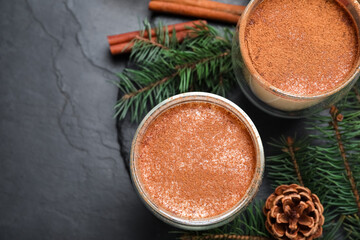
{"x":287,"y":166}
{"x":337,"y":154}
{"x":166,"y":67}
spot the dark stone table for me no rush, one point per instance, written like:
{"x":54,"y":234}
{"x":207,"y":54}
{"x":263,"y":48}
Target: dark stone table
{"x":62,"y":170}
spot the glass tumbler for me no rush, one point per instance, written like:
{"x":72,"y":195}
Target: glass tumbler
{"x":224,"y":217}
{"x":273,"y":100}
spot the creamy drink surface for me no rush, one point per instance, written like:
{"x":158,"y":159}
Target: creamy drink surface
{"x":302,"y":47}
{"x":196,"y":160}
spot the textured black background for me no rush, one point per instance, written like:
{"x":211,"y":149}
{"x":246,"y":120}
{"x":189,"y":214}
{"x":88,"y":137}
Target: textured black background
{"x":62,"y":171}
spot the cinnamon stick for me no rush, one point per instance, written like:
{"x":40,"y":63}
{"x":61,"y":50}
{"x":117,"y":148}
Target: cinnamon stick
{"x":126,"y":47}
{"x":230,"y":8}
{"x":192,"y":11}
{"x":127,"y":37}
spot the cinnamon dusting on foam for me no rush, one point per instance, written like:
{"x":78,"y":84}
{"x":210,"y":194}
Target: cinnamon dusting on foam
{"x":302,"y":47}
{"x":196,"y":160}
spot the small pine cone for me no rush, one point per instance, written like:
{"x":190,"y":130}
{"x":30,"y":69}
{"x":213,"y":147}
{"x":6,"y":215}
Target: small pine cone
{"x":293,"y":213}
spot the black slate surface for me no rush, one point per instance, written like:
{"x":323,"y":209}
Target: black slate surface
{"x":62,"y":169}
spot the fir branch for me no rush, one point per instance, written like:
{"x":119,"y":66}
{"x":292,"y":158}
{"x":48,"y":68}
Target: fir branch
{"x":203,"y":60}
{"x":156,"y":44}
{"x":288,"y":166}
{"x":165,"y":68}
{"x":291,"y":150}
{"x":338,"y":117}
{"x":336,"y":154}
{"x":149,"y":87}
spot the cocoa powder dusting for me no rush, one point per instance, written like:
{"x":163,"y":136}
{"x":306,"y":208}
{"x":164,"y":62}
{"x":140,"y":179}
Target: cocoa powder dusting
{"x":196,"y":160}
{"x":302,"y":47}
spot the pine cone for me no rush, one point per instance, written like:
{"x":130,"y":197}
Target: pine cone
{"x":292,"y":212}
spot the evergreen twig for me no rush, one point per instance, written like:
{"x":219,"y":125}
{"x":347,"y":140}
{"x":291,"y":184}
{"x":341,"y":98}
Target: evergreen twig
{"x":291,"y":150}
{"x":148,"y":41}
{"x":166,"y":67}
{"x":336,"y":153}
{"x":338,"y":117}
{"x":288,"y":165}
